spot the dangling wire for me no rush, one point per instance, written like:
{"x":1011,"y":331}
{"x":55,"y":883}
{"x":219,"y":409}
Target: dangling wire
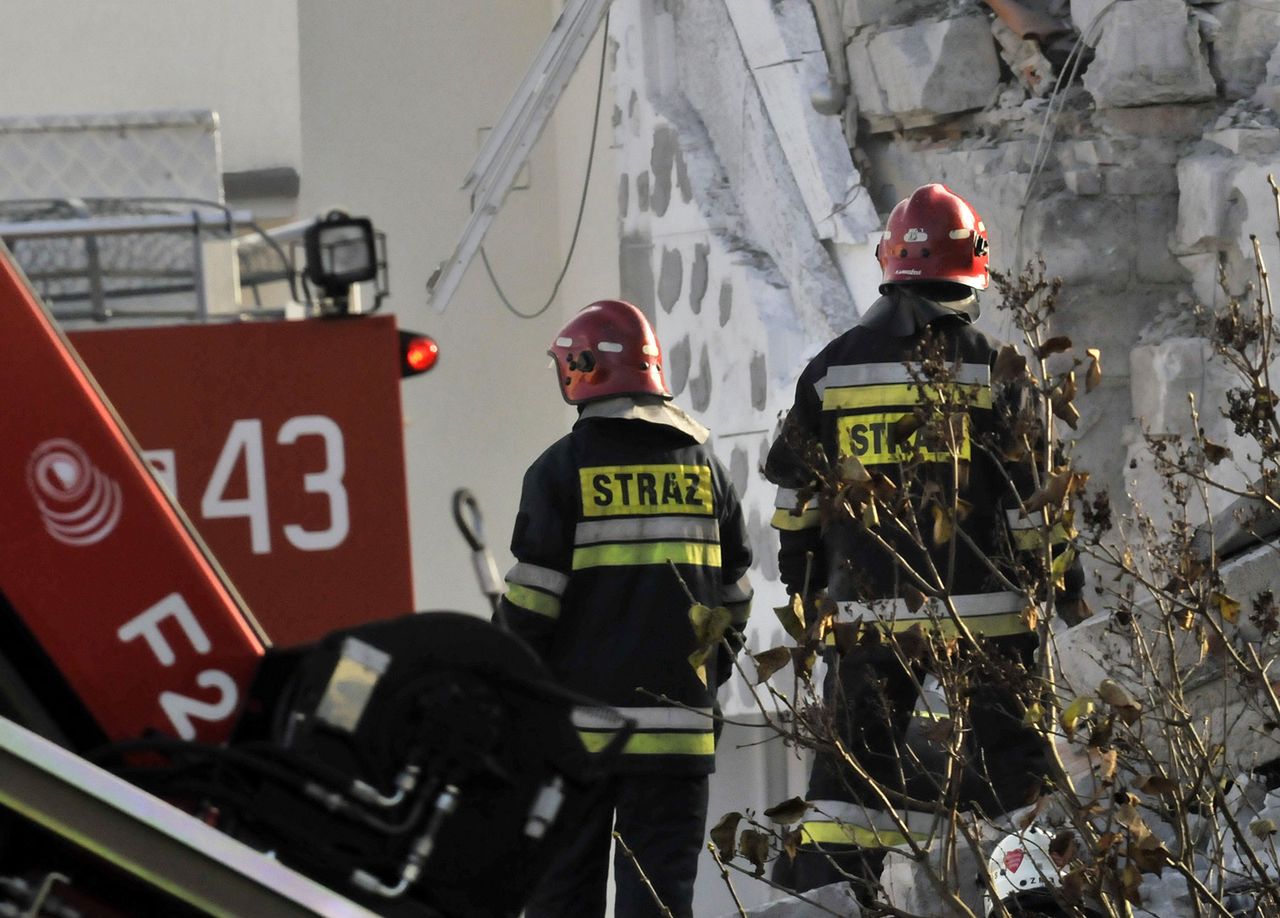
{"x":582,"y":202}
{"x":1048,"y":127}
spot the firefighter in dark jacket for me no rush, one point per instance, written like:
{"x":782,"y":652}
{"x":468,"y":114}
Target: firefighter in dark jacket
{"x":916,"y":344}
{"x":605,"y":513}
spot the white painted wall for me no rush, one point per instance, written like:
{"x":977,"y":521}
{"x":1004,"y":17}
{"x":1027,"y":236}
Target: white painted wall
{"x":394,"y":95}
{"x":236,"y":57}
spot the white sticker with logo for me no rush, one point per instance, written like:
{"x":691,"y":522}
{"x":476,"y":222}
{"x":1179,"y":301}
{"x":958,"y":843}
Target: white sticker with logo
{"x":915,"y":234}
{"x":80,"y":505}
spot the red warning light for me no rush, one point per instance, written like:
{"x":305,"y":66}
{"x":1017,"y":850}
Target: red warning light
{"x":418,"y":353}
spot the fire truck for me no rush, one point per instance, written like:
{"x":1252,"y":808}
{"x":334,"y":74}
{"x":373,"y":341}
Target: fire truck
{"x":215,"y":695}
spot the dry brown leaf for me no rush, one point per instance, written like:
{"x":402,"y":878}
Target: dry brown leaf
{"x":769,"y":662}
{"x":1093,"y":375}
{"x":1108,"y":762}
{"x":792,"y":617}
{"x":1228,"y":608}
{"x":870,"y":514}
{"x":1215,"y":452}
{"x":802,"y":660}
{"x":1263,"y":828}
{"x":1157,"y":785}
{"x":1149,"y":855}
{"x":754,"y":846}
{"x":852,"y":471}
{"x":904,"y":427}
{"x":846,"y":636}
{"x":1062,"y":400}
{"x":943,"y":525}
{"x":1054,"y":492}
{"x":725,"y":833}
{"x":1064,"y":848}
{"x":792,"y":841}
{"x":789,"y":812}
{"x":1055,"y":345}
{"x":1116,"y":695}
{"x":1009,"y":365}
{"x":1075,"y":712}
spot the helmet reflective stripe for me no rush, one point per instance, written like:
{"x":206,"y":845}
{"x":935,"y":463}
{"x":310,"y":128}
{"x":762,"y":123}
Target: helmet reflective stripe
{"x":934,"y":235}
{"x":1020,"y":864}
{"x":608,"y":349}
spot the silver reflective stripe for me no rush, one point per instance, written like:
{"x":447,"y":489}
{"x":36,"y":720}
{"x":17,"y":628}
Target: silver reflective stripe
{"x":544,"y":578}
{"x":1018,"y":521}
{"x":737,"y":592}
{"x":787,"y":499}
{"x":684,"y":528}
{"x":664,"y":718}
{"x":969,"y":605}
{"x":854,"y":814}
{"x":872,"y":374}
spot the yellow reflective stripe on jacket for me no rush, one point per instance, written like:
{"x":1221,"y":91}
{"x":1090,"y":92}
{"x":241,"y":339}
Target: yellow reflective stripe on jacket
{"x":820,"y":832}
{"x":533,"y":600}
{"x":888,"y":395}
{"x":633,"y":490}
{"x":871,"y":437}
{"x":653,"y":743}
{"x":1029,"y":538}
{"x":793,"y":522}
{"x":1002,"y":625}
{"x":706,"y":554}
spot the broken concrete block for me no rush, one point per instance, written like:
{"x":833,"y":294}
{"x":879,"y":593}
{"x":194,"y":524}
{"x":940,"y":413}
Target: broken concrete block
{"x":1252,"y":142}
{"x":859,"y":13}
{"x":1269,"y":91}
{"x":936,"y":68}
{"x":1149,"y":53}
{"x":862,"y":78}
{"x":1099,"y":151}
{"x":1085,"y":241}
{"x":1083,"y":182}
{"x":1208,"y":215}
{"x":1085,"y":13}
{"x":1147,"y":179}
{"x":1156,"y":216}
{"x":1246,"y":37}
{"x":1161,"y":376}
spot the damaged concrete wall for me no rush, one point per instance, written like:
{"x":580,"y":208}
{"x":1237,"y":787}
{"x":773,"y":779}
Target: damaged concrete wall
{"x":1126,"y":142}
{"x":740,"y":206}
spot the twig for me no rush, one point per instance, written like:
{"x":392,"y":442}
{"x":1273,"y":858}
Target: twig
{"x":630,"y":855}
{"x":724,"y":873}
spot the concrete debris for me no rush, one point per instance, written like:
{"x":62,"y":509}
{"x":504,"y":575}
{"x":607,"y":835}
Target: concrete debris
{"x":1025,"y":59}
{"x":1245,"y":38}
{"x":1149,"y":53}
{"x":824,"y":900}
{"x":915,"y":75}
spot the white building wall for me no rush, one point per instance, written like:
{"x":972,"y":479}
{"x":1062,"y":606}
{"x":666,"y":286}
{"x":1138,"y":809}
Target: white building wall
{"x":236,"y":57}
{"x":394,"y":98}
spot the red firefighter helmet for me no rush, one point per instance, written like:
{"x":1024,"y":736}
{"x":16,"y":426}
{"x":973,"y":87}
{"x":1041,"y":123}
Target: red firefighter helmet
{"x":934,"y":235}
{"x":608,"y":349}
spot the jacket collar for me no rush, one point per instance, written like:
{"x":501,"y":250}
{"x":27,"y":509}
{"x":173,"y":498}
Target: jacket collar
{"x":902,"y":313}
{"x":650,"y":408}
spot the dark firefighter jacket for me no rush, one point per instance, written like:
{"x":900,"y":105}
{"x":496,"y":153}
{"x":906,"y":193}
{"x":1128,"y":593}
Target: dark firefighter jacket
{"x":850,"y":401}
{"x":604,"y":513}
